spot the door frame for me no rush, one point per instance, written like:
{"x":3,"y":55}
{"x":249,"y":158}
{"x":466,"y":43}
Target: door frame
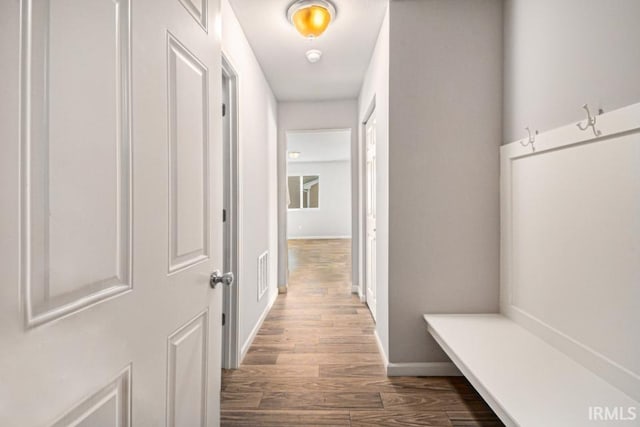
{"x":231,"y":225}
{"x":283,"y":235}
{"x":362,"y":224}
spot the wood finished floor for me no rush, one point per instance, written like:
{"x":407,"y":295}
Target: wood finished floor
{"x":315,"y":361}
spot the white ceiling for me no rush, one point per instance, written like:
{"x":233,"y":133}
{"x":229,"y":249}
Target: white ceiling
{"x":346,"y":48}
{"x":320,"y":146}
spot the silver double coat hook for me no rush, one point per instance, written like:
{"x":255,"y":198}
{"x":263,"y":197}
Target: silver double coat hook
{"x":591,"y":122}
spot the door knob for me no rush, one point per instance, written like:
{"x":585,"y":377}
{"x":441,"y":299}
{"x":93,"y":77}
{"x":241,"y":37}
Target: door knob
{"x":217,"y":277}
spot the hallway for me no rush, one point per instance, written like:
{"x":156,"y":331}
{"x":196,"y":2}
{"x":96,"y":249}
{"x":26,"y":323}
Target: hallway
{"x":315,"y":361}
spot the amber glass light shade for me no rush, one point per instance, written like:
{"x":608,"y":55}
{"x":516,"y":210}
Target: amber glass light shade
{"x":311,"y":21}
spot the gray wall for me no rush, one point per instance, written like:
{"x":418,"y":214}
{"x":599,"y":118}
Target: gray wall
{"x":562,"y":54}
{"x":445,"y":95}
{"x":333,"y":217}
{"x":339,"y":114}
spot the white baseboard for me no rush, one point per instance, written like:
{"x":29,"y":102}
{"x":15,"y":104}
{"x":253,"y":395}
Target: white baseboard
{"x":425,"y":369}
{"x":247,"y":345}
{"x":381,"y":350}
{"x":318,"y":237}
{"x":355,"y":289}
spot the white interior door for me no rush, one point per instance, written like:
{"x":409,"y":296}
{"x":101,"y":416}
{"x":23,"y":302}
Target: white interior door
{"x":370,"y":195}
{"x":110,"y":218}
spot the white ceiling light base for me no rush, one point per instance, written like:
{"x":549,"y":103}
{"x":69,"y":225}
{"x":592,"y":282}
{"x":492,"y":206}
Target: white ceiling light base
{"x":314,"y":55}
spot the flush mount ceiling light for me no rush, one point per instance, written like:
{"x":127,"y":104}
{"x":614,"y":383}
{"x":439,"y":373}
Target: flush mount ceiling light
{"x":311,"y":17}
{"x":294,"y":154}
{"x":313,"y":55}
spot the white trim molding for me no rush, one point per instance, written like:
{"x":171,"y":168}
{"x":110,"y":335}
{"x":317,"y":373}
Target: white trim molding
{"x":247,"y":344}
{"x":421,"y":369}
{"x":385,"y":361}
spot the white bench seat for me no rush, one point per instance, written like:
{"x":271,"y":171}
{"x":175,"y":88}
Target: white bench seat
{"x":526,"y":381}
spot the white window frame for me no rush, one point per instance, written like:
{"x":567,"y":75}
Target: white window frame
{"x":300,"y":176}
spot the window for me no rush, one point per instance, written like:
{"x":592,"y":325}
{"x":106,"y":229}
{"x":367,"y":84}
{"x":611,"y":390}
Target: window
{"x":304,"y":191}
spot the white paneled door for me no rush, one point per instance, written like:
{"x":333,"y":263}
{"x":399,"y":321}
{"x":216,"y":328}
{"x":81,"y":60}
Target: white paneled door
{"x":110,"y":213}
{"x":370,"y":196}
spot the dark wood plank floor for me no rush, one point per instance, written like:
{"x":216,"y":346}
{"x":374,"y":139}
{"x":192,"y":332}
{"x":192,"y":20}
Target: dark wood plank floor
{"x":315,"y":361}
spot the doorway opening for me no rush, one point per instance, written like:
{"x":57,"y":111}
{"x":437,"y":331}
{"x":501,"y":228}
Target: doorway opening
{"x":319,"y":209}
{"x":230,"y":304}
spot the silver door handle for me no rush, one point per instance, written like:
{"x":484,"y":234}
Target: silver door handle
{"x":217,"y":277}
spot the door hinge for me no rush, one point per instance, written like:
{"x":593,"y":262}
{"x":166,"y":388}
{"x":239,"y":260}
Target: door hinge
{"x":224,"y":319}
{"x":224,"y":215}
{"x":224,"y":110}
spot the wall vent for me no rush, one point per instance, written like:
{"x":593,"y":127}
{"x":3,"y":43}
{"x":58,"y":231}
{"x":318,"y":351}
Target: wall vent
{"x":263,"y":274}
